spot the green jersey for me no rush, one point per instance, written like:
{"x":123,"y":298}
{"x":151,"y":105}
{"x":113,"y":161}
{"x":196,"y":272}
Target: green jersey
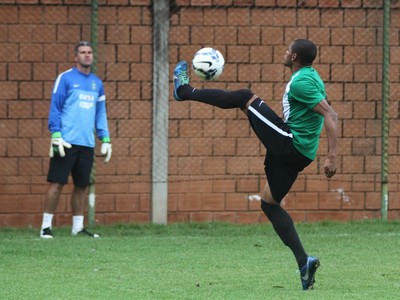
{"x":303,"y":92}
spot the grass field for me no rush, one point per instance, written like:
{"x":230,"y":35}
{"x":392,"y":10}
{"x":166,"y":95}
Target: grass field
{"x":200,"y":261}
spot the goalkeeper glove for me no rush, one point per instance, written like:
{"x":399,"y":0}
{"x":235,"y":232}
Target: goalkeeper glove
{"x":57,"y":145}
{"x":106,"y":149}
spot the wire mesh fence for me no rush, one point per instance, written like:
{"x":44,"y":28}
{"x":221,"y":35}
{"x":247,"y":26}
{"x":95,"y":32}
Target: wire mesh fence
{"x":215,"y":161}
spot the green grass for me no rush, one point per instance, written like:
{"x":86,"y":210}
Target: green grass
{"x":359,"y":260}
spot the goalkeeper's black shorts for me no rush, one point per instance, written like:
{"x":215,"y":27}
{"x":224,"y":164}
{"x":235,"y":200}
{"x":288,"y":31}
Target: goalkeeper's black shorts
{"x":78,"y":162}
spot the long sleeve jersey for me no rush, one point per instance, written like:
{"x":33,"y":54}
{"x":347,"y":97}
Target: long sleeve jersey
{"x":78,"y":108}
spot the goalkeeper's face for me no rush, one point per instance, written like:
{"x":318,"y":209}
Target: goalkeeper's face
{"x":84,"y":56}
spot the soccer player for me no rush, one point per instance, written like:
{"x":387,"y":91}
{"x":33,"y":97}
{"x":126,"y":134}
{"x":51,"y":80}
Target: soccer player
{"x":77,"y":112}
{"x":291,"y":141}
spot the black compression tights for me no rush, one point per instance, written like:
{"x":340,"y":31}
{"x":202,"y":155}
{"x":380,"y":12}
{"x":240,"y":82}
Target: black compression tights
{"x":284,"y":227}
{"x":216,"y":97}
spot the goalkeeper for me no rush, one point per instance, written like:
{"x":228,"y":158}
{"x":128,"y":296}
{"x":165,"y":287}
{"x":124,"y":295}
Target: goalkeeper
{"x":77,"y":110}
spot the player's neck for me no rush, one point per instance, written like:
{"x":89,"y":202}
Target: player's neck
{"x":297,"y":67}
{"x":84,"y":70}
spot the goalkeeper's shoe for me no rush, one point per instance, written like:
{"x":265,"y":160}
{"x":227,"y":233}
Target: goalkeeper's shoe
{"x":307,"y":273}
{"x":84,"y":232}
{"x":45,"y":233}
{"x":180,"y":77}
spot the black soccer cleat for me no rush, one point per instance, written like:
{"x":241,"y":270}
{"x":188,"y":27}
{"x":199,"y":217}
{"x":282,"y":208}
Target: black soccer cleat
{"x":84,"y":232}
{"x":307,"y":273}
{"x":45,"y":233}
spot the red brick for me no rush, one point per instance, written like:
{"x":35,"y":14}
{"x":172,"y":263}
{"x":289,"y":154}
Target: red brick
{"x":285,"y":17}
{"x":373,"y":200}
{"x":316,"y":185}
{"x":267,"y":3}
{"x":365,"y":73}
{"x":214,"y":165}
{"x":127,"y":203}
{"x":43,"y":71}
{"x":298,"y":216}
{"x":201,"y":146}
{"x":248,"y":218}
{"x":215,"y":147}
{"x":249,"y":35}
{"x":306,"y":201}
{"x":223,"y":185}
{"x":224,"y":147}
{"x":202,"y":35}
{"x":18,"y":147}
{"x":309,"y":18}
{"x":8,"y":90}
{"x":330,"y":200}
{"x":328,"y":215}
{"x":20,"y":109}
{"x":180,"y":147}
{"x":213,"y":202}
{"x":255,"y":204}
{"x":248,"y":185}
{"x":365,"y":215}
{"x":20,"y":203}
{"x":225,"y":217}
{"x":189,"y":202}
{"x":352,"y":3}
{"x":9,"y":14}
{"x":178,"y":218}
{"x":30,"y":128}
{"x":243,"y":2}
{"x":201,"y":186}
{"x":342,"y":73}
{"x":145,"y":202}
{"x":236,"y":202}
{"x":226,"y":35}
{"x":19,"y":220}
{"x":329,"y":3}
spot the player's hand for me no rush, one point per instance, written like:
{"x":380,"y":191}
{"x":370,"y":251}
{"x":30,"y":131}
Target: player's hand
{"x":106,"y":150}
{"x":57,"y":145}
{"x":330,"y":167}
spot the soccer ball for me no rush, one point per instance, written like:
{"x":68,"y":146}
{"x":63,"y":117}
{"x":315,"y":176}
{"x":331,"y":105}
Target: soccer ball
{"x":208,"y":63}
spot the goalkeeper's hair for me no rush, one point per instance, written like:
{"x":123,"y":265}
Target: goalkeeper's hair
{"x":81,"y":43}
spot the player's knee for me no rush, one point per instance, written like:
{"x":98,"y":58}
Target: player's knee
{"x":268,"y":208}
{"x":246,"y":95}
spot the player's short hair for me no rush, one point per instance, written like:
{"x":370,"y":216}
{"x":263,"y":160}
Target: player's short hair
{"x":306,"y":51}
{"x":81,"y":43}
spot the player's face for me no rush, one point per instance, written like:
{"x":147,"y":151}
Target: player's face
{"x":289,"y":57}
{"x":84,"y":57}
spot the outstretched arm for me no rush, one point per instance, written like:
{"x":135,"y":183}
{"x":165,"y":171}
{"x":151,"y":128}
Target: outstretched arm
{"x":330,"y":123}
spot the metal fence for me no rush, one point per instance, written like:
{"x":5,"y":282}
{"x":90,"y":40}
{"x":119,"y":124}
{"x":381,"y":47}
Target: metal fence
{"x":200,"y":163}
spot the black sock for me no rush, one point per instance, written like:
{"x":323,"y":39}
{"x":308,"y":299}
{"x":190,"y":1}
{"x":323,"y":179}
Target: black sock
{"x":284,"y":227}
{"x":216,"y":97}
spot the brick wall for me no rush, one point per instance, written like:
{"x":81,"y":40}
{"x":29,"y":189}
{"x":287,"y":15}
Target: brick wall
{"x":215,"y":163}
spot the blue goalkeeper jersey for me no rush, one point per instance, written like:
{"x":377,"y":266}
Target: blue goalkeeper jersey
{"x":78,"y":108}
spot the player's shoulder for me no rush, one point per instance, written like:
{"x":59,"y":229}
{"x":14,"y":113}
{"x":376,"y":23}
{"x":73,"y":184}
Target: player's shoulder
{"x":65,"y":73}
{"x":306,"y":74}
{"x":96,"y":77}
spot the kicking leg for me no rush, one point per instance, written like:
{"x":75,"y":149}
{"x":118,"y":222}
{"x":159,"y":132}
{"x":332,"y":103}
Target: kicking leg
{"x":216,"y":97}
